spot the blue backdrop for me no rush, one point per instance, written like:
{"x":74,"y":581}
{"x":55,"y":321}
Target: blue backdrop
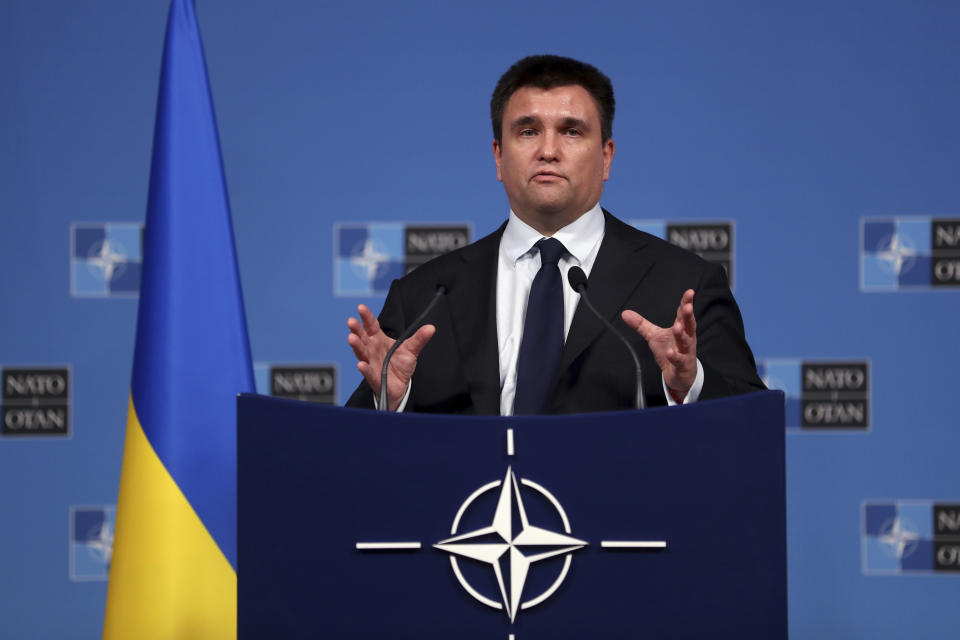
{"x":825,"y":132}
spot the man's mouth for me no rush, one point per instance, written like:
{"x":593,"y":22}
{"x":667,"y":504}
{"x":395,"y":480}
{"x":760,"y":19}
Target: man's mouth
{"x":547,"y":176}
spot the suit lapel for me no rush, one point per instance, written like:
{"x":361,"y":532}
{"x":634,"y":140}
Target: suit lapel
{"x":616,"y":273}
{"x":472,"y":304}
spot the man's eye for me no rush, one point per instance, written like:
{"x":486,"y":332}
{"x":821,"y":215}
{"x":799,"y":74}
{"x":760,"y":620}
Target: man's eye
{"x":573,"y":132}
{"x":526,"y":133}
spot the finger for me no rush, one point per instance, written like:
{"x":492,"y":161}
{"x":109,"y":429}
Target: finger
{"x":682,"y":363}
{"x":419,"y":340}
{"x":355,"y":327}
{"x":370,"y":323}
{"x":676,"y":329}
{"x":685,"y":299}
{"x":679,"y":335}
{"x":371,"y":374}
{"x":684,"y":343}
{"x":676,"y":358}
{"x":366,"y":370}
{"x":686,"y":315}
{"x":689,"y":320}
{"x":638,"y":323}
{"x":359,"y":348}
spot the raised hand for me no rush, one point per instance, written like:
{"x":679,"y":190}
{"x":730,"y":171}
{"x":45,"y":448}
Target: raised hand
{"x":674,"y":347}
{"x":370,"y":345}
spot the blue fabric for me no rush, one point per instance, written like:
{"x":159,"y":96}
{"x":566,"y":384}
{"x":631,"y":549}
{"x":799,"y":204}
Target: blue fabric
{"x":192,"y":354}
{"x":542,"y":333}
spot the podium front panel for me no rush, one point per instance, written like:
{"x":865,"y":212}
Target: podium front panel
{"x":549,"y":527}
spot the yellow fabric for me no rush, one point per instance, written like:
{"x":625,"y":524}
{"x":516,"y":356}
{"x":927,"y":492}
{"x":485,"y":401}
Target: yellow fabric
{"x":168,"y":578}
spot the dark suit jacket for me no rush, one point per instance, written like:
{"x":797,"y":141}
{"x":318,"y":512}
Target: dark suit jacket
{"x":459,"y":372}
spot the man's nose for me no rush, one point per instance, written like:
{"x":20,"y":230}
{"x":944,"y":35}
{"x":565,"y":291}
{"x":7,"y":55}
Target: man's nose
{"x":549,"y":146}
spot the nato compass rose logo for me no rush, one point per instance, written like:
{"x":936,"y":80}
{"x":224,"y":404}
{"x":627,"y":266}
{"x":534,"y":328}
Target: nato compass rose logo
{"x":369,"y":259}
{"x":511,"y":546}
{"x":900,"y":537}
{"x":897,"y":253}
{"x":501,"y":544}
{"x":105,"y":259}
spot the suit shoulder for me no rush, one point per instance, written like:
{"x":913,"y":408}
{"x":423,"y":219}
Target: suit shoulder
{"x":445,"y":267}
{"x":656,"y":246}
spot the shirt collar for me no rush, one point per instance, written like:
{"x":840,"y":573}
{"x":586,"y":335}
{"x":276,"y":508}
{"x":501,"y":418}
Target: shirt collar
{"x":579,"y":237}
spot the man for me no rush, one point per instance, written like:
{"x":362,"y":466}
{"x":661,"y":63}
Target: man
{"x":510,"y":337}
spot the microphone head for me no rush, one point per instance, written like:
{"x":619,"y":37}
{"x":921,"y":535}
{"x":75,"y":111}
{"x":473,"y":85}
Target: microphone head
{"x":445,"y":283}
{"x":577,"y":279}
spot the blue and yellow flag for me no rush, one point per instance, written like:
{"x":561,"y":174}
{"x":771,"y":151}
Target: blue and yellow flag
{"x":173,"y":573}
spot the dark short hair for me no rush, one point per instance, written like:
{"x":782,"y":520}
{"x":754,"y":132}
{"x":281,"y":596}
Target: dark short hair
{"x":547,"y":72}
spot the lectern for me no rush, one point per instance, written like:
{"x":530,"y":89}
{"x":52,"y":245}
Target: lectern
{"x":662,"y":523}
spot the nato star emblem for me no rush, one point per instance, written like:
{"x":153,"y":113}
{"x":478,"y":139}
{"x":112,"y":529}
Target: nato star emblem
{"x":501,"y":545}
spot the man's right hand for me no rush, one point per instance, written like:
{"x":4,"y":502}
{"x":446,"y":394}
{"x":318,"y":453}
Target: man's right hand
{"x":370,"y":345}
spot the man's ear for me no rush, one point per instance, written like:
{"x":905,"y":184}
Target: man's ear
{"x":496,"y":158}
{"x":608,"y":149}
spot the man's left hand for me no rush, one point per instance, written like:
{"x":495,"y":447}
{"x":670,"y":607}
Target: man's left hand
{"x":675,"y":347}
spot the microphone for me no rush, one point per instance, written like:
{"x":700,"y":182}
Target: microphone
{"x":578,"y":282}
{"x":442,"y":289}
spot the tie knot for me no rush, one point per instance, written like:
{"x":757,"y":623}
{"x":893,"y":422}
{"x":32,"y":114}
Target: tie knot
{"x":551,"y":250}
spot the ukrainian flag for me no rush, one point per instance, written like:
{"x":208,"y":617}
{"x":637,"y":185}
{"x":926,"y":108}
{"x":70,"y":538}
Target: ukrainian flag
{"x":173,"y":573}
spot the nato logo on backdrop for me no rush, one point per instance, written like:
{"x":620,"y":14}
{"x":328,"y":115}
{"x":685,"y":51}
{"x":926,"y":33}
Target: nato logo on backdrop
{"x":91,"y":541}
{"x":909,"y":253}
{"x":910,"y":536}
{"x":305,"y":382}
{"x":821,"y":395}
{"x":712,"y":241}
{"x":36,"y":401}
{"x":369,"y":256}
{"x":105,"y":259}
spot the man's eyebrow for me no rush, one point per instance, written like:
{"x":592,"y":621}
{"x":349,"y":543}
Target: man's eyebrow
{"x":567,"y":123}
{"x":574,"y":123}
{"x":524,"y":121}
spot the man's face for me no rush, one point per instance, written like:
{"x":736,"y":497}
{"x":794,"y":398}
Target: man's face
{"x":552,"y":161}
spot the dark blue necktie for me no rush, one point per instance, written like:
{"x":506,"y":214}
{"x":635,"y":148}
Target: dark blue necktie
{"x":542,"y":332}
